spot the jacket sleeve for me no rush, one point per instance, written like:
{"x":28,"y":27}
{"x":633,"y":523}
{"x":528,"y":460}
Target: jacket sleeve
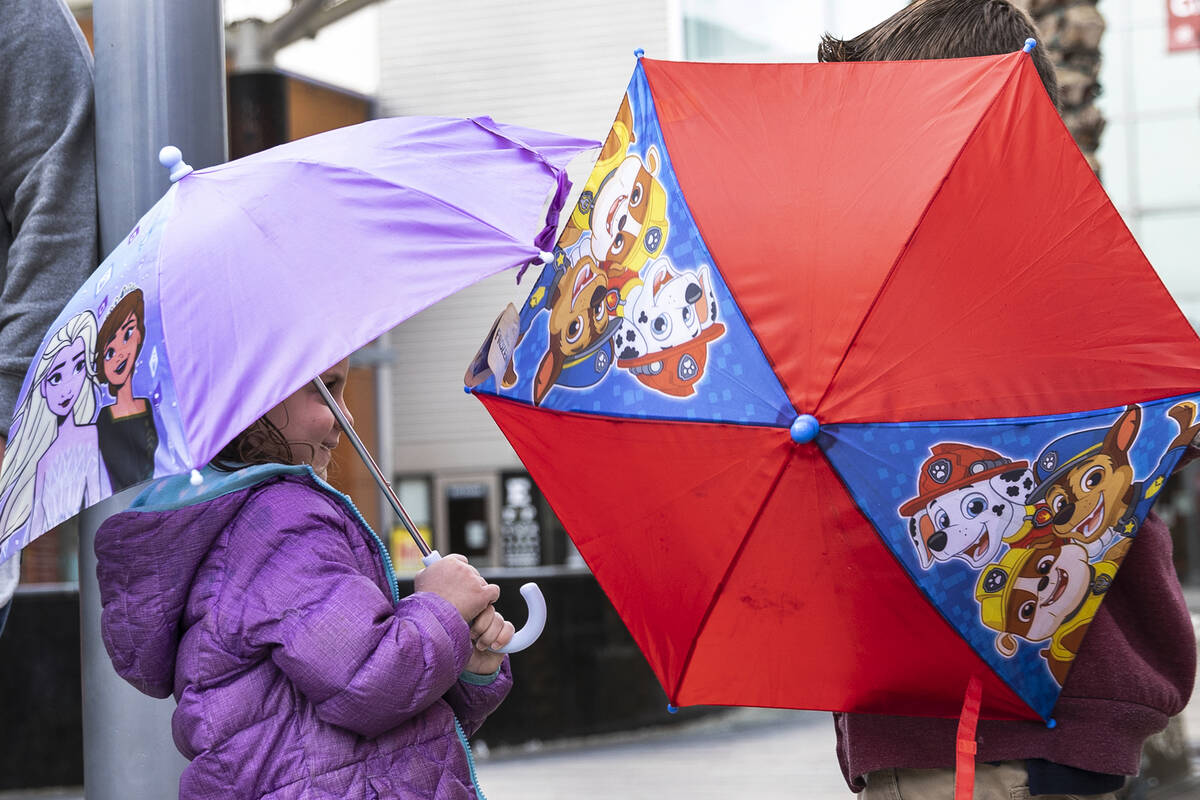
{"x":295,"y":592}
{"x":475,"y":697}
{"x":47,"y":179}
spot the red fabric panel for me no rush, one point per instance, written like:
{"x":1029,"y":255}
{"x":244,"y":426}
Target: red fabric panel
{"x":813,"y":615}
{"x":807,"y":180}
{"x":818,"y":614}
{"x":657,"y":509}
{"x":1023,"y":292}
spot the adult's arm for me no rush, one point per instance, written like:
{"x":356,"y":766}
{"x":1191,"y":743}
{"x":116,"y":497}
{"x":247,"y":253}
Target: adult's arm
{"x":48,"y":239}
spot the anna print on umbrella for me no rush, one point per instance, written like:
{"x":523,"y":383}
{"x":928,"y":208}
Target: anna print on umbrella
{"x":128,"y":435}
{"x":53,"y":469}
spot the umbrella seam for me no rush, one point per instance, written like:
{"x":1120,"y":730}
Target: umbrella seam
{"x":719,"y":588}
{"x":916,"y":584}
{"x":916,"y":227}
{"x":668,"y":167}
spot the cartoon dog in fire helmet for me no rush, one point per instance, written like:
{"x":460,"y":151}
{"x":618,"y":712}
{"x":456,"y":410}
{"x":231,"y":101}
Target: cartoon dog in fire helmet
{"x":670,"y":319}
{"x":971,"y":501}
{"x":1039,"y":594}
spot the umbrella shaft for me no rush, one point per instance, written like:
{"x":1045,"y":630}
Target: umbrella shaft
{"x":374,"y":469}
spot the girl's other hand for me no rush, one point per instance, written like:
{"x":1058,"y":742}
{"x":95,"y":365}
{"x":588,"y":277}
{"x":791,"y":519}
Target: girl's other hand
{"x":487,"y":631}
{"x":453,"y":579}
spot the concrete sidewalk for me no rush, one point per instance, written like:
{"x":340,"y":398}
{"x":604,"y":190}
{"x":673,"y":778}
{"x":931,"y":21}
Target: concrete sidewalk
{"x":757,"y":754}
{"x":762,"y":754}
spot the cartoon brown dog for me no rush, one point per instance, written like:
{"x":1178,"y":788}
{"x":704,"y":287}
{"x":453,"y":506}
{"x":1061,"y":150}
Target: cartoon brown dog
{"x":1087,"y":481}
{"x":1040,"y":594}
{"x":620,"y":219}
{"x":580,"y":339}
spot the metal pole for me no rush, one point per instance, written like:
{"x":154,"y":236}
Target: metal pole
{"x":160,"y":79}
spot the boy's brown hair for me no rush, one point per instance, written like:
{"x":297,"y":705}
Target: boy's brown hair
{"x":927,"y":29}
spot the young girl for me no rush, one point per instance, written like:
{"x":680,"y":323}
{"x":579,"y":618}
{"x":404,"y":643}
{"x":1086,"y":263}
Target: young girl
{"x":262,"y":600}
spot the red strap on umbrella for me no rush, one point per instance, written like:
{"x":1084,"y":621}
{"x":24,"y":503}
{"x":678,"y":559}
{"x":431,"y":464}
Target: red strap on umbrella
{"x":964,"y":747}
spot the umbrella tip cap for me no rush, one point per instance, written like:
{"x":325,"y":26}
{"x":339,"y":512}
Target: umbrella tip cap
{"x":172,"y":158}
{"x":639,"y":53}
{"x":196,"y":479}
{"x":672,"y":709}
{"x":1052,"y":723}
{"x":1029,"y":45}
{"x":805,"y":428}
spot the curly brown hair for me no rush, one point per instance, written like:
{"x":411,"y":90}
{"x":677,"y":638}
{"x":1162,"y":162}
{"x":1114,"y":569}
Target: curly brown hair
{"x":261,"y":443}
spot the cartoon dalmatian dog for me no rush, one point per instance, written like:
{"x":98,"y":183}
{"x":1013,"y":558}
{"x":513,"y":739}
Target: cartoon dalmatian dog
{"x":669,"y":320}
{"x":971,"y":501}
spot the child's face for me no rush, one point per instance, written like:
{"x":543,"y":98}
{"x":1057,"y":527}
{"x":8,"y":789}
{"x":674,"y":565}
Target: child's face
{"x":308,"y":424}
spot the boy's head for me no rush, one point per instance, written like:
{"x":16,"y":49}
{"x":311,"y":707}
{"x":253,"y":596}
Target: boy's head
{"x":927,"y":29}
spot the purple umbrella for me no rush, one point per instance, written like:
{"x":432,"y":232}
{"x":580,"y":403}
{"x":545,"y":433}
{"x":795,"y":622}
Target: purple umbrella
{"x":248,"y":278}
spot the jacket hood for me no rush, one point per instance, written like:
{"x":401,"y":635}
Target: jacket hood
{"x":147,"y":558}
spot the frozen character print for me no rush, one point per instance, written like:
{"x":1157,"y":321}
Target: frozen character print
{"x":52,"y":466}
{"x":1047,"y":594}
{"x":970,"y":503}
{"x":670,"y":319}
{"x":128,"y":436}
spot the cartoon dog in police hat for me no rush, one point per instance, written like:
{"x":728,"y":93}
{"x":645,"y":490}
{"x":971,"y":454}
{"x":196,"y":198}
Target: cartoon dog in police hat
{"x":970,"y":502}
{"x":579,"y":330}
{"x":1087,"y":481}
{"x":1039,"y":594}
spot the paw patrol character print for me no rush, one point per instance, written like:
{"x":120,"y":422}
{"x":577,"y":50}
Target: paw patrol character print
{"x":670,"y":319}
{"x":971,"y":501}
{"x":1087,"y":481}
{"x":621,"y":217}
{"x":579,"y":347}
{"x":1044,"y":594}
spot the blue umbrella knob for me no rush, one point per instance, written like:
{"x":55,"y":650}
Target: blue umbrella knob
{"x":171,"y":158}
{"x":805,"y":428}
{"x":639,"y":53}
{"x":1029,"y":45}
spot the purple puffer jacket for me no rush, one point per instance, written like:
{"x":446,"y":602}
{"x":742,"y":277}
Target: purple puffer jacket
{"x":263,"y":602}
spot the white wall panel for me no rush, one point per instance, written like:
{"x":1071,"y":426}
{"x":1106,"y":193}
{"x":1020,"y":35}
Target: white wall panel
{"x":562,"y":66}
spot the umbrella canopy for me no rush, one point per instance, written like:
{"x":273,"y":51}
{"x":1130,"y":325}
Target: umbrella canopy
{"x":835,"y":364}
{"x":248,"y":278}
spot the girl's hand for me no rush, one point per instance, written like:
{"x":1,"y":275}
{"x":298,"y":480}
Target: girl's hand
{"x":487,"y":631}
{"x":457,"y":581}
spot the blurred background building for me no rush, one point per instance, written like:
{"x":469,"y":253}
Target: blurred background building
{"x":1130,"y":77}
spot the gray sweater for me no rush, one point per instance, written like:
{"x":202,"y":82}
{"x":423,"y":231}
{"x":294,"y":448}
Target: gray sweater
{"x":48,"y":239}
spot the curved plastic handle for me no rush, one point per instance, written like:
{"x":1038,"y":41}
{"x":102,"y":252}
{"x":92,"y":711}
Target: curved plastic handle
{"x":535,"y":605}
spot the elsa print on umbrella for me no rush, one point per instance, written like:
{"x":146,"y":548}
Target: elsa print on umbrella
{"x":53,"y":468}
{"x":128,"y":436}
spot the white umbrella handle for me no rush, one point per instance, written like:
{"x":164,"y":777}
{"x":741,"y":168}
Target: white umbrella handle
{"x":534,"y":600}
{"x":535,"y":605}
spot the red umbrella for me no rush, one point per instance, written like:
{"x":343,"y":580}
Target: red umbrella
{"x":822,"y":351}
